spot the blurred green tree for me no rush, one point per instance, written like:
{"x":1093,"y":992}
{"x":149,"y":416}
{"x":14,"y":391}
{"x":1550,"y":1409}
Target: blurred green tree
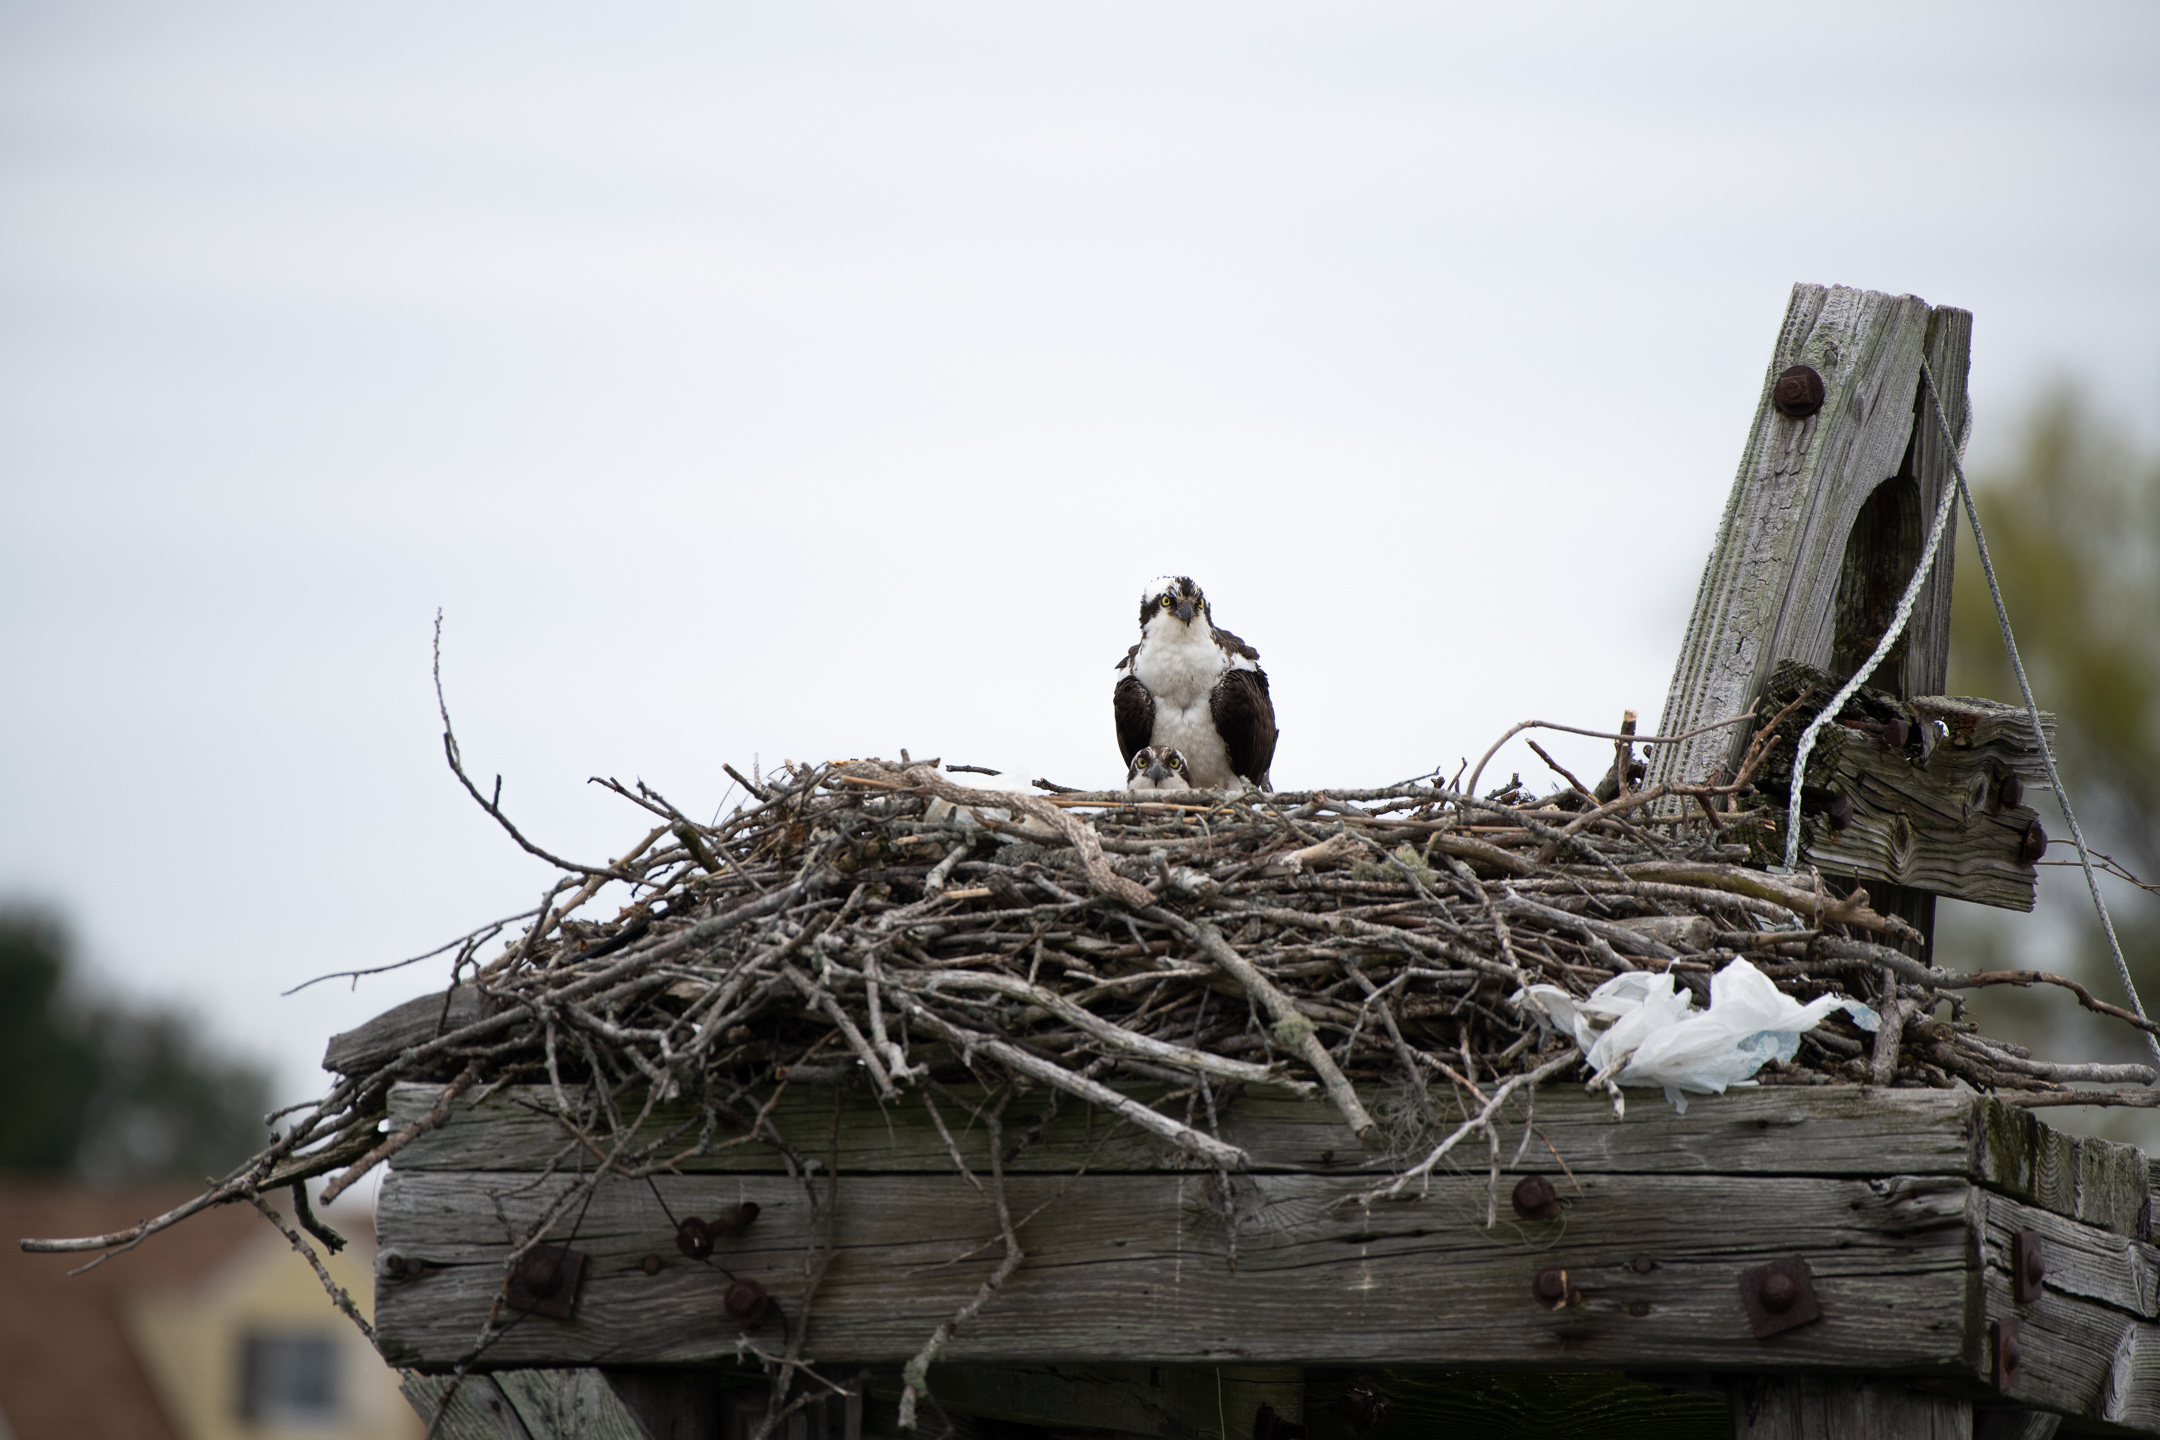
{"x":2073,"y":526}
{"x":105,"y":1091}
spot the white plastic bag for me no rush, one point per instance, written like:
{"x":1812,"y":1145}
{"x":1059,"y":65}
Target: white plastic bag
{"x":1654,"y":1036}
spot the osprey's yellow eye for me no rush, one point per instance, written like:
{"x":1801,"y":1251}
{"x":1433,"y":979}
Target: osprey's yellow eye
{"x":1176,"y":764}
{"x":1166,"y":602}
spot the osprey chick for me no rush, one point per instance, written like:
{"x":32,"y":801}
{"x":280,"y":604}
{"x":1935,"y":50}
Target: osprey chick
{"x":1157,"y":767}
{"x":1196,"y":689}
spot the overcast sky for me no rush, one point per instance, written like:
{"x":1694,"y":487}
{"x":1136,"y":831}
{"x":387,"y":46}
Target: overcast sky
{"x":748,"y":383}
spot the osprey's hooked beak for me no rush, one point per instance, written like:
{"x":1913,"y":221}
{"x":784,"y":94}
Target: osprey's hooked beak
{"x":1156,"y":770}
{"x":1185,"y":611}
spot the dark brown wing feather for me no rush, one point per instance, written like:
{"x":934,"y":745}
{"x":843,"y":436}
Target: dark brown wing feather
{"x":1134,"y":705}
{"x":1235,"y":646}
{"x":1245,"y":718}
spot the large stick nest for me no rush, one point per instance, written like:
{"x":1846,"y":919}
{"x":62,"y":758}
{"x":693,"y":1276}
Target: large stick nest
{"x":881,"y":923}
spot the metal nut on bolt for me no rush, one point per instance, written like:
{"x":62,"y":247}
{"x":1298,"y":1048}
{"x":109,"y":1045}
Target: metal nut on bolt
{"x":1798,"y":392}
{"x":545,"y":1281}
{"x":1535,"y":1198}
{"x":694,"y":1238}
{"x":1779,"y":1296}
{"x":393,"y":1266}
{"x":1552,"y":1289}
{"x":1778,"y":1292}
{"x":746,"y":1302}
{"x":2033,"y":845}
{"x":2007,"y":1352}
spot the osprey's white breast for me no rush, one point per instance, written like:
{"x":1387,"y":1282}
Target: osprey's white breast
{"x":1180,"y":664}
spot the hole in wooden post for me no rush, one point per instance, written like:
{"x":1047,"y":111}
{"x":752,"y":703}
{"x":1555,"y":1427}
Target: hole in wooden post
{"x":1881,"y":552}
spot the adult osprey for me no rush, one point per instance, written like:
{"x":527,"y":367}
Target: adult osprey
{"x":1157,"y":767}
{"x":1198,"y":689}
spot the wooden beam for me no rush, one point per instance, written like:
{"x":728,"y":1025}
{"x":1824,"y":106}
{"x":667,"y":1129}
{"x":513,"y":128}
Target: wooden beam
{"x":1928,"y":807}
{"x":1122,"y":1265}
{"x":1912,"y":1270}
{"x":413,"y":1023}
{"x":1830,"y":1130}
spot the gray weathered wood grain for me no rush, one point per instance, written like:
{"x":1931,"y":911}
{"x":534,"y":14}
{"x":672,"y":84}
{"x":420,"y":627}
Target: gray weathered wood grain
{"x":399,"y":1028}
{"x":2081,"y":1259}
{"x":1830,"y":1130}
{"x":1771,"y":588}
{"x":1812,"y":1407}
{"x":1933,"y":822}
{"x":1124,"y":1265}
{"x":1909,"y":1270}
{"x":2090,"y":1362}
{"x":477,"y":1409}
{"x":1824,"y":1130}
{"x":576,"y":1404}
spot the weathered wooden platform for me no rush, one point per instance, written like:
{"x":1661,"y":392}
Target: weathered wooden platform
{"x":1905,"y":1206}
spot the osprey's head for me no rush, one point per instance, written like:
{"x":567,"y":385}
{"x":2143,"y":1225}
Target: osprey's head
{"x":1172,"y":595}
{"x":1158,"y":767}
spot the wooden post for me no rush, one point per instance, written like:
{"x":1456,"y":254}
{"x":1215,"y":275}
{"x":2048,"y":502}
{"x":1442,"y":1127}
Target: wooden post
{"x":1807,"y":1407}
{"x":1825,"y":524}
{"x":1859,"y":478}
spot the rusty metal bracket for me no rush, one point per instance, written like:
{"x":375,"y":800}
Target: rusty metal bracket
{"x":546,"y":1280}
{"x":2028,"y":1266}
{"x":2007,"y":1352}
{"x":1779,"y":1296}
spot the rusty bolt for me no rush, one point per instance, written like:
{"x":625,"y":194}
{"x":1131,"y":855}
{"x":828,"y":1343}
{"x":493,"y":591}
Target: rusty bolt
{"x":734,"y":1218}
{"x":1798,"y":392}
{"x":650,"y":1264}
{"x":2010,"y":792}
{"x":545,"y":1281}
{"x":1535,"y":1198}
{"x":694,"y":1238}
{"x":2034,"y":845}
{"x":1895,"y":733}
{"x":1642,"y":1264}
{"x":542,"y":1272}
{"x":2007,"y":1352}
{"x":746,"y":1302}
{"x":1638,"y":1308}
{"x":1551,"y":1287}
{"x":1779,"y":1296}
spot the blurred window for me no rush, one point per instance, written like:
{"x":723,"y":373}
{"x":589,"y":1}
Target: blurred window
{"x":288,"y":1378}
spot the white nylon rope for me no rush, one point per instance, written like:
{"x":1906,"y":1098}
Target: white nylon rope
{"x":1852,"y":686}
{"x":2032,"y":709}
